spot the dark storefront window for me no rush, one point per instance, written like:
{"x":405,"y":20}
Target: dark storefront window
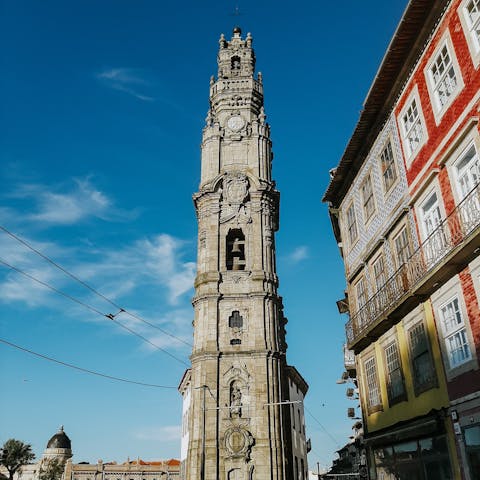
{"x":472,"y":446}
{"x":425,"y":459}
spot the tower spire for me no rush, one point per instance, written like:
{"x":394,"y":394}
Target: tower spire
{"x":242,"y":428}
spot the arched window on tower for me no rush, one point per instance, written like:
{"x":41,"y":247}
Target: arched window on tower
{"x":235,"y":250}
{"x":236,"y":63}
{"x":235,"y":320}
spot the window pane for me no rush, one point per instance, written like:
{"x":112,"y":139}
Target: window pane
{"x":459,"y":348}
{"x":412,"y":127}
{"x":383,"y":454}
{"x":387,"y":162}
{"x":473,"y":19}
{"x":379,"y":272}
{"x":468,"y":172}
{"x":351,"y":224}
{"x":431,"y":214}
{"x":406,"y":450}
{"x":372,"y":383}
{"x":452,"y":316}
{"x":472,"y":436}
{"x":402,"y":247}
{"x":442,"y":74}
{"x":394,"y":372}
{"x":368,"y":200}
{"x":438,"y":470}
{"x":422,"y":363}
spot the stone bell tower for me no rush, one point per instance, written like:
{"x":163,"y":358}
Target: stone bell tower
{"x":237,"y":408}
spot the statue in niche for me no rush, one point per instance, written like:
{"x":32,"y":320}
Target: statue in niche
{"x":209,"y":118}
{"x":235,"y":400}
{"x":261,"y":116}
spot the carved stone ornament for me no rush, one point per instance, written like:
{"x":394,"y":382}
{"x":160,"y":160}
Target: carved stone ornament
{"x":239,"y":442}
{"x":237,"y":371}
{"x":268,"y":236}
{"x":235,"y":193}
{"x":235,"y":188}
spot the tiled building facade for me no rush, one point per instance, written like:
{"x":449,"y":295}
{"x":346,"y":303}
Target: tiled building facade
{"x":405,"y":208}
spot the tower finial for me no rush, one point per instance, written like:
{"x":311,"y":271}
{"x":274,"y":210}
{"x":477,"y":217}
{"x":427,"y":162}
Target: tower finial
{"x":237,"y":31}
{"x":222,"y":41}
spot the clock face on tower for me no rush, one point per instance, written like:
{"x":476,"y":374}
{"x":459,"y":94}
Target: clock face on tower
{"x":235,"y":123}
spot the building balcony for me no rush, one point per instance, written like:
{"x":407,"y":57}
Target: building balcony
{"x":450,"y":247}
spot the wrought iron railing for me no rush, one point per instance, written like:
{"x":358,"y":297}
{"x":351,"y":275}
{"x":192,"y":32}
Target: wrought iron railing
{"x":448,"y":235}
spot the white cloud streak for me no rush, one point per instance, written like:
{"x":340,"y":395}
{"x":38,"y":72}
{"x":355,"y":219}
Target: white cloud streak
{"x":149,"y":271}
{"x":159,"y":434}
{"x":299,"y":254}
{"x":125,"y":80}
{"x":58,"y":205}
{"x":147,"y":276}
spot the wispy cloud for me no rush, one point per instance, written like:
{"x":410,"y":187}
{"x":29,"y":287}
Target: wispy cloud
{"x":147,"y":269}
{"x":300,"y":253}
{"x":16,"y":287}
{"x":147,"y":275}
{"x":162,"y":261}
{"x":159,"y":434}
{"x":66,"y":205}
{"x":126,"y":80}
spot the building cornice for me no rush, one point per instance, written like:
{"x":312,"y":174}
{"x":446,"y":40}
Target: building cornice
{"x":406,"y":47}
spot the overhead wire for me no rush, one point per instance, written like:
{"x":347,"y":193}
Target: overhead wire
{"x":334,"y":440}
{"x":41,"y":282}
{"x":111,"y":302}
{"x":89,"y":287}
{"x":110,"y":316}
{"x":85,"y":370}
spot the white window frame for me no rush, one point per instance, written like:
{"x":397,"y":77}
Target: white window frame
{"x":431,"y":219}
{"x":434,"y":241}
{"x":474,"y":268}
{"x":439,"y":107}
{"x":456,"y":331}
{"x":473,"y":40}
{"x":443,"y":296}
{"x":469,"y":139}
{"x":410,"y":151}
{"x":461,"y":193}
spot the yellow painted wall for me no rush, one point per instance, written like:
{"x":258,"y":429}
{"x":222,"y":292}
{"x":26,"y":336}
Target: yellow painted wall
{"x":435,"y":398}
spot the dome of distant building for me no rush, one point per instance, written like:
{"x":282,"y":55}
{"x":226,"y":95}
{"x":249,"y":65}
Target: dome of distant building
{"x":59,"y":447}
{"x":60,"y":440}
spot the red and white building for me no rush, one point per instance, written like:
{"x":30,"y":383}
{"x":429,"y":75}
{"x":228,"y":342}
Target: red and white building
{"x":437,"y":116}
{"x":404,"y":202}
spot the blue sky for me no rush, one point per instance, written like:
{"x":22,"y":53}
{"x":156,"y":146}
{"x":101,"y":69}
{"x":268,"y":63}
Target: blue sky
{"x":103,"y":103}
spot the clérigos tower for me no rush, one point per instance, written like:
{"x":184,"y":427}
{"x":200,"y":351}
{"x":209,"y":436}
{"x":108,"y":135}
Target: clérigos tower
{"x":241,"y":399}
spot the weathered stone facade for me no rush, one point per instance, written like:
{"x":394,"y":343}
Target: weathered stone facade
{"x":238,"y":419}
